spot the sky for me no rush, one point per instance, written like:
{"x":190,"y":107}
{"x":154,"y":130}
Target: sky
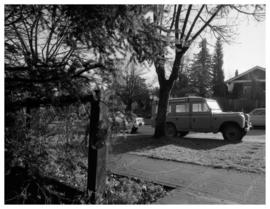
{"x":248,"y":51}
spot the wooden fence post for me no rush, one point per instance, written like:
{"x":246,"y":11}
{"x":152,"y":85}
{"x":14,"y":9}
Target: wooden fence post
{"x":96,"y":152}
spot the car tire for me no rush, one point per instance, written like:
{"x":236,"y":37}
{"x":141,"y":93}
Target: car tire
{"x":183,"y":133}
{"x":232,"y":133}
{"x":170,"y":129}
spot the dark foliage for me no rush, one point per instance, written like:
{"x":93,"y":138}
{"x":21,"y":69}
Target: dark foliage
{"x":200,"y":72}
{"x":219,"y":86}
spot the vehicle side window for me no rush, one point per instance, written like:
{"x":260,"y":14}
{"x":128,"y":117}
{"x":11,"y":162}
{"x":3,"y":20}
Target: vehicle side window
{"x":182,"y":108}
{"x":205,"y":107}
{"x":199,"y":107}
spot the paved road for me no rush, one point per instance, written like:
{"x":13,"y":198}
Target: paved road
{"x":254,"y":135}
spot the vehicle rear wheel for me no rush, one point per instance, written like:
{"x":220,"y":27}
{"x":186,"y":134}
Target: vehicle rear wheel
{"x":170,"y":129}
{"x":183,"y":133}
{"x":232,"y":133}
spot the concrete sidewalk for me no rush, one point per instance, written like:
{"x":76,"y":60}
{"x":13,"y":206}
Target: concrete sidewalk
{"x":193,"y":184}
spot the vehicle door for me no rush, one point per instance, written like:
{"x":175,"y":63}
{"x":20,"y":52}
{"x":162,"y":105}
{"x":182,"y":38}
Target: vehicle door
{"x":200,"y":117}
{"x":182,"y":116}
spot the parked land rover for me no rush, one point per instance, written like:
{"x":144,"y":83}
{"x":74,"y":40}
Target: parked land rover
{"x":203,"y":115}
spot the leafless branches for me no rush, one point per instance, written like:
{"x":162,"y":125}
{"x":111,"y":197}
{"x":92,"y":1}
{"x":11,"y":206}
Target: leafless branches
{"x":189,"y":22}
{"x":37,"y":42}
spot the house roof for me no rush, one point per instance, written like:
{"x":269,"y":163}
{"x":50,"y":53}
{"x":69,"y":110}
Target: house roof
{"x":245,"y":73}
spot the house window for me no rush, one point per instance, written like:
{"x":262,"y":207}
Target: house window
{"x":182,"y":108}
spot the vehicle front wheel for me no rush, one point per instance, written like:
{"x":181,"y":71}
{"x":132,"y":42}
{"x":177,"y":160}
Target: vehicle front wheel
{"x":183,"y":133}
{"x":170,"y":129}
{"x":232,"y":133}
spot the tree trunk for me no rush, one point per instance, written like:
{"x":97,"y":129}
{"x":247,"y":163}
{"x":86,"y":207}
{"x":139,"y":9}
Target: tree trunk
{"x":164,"y":93}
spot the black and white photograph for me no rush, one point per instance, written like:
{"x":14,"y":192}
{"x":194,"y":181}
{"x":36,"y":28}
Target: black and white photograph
{"x":136,"y":103}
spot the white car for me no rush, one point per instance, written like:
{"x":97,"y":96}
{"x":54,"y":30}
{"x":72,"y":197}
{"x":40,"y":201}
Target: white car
{"x":139,"y":121}
{"x":257,"y":117}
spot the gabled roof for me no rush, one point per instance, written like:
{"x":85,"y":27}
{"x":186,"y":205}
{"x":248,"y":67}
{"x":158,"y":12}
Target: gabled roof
{"x":246,"y":72}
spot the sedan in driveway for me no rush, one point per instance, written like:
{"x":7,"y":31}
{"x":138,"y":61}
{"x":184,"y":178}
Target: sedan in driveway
{"x":257,"y":117}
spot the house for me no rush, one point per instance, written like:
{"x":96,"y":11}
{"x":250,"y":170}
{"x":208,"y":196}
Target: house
{"x":249,"y":84}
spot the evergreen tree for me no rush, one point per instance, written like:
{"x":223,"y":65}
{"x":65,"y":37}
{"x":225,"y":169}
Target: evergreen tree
{"x":219,"y":86}
{"x":200,"y":73}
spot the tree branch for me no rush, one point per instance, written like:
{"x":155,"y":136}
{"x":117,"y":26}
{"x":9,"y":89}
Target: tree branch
{"x":48,"y":50}
{"x":57,"y":44}
{"x":24,"y":48}
{"x":246,"y":13}
{"x":206,"y":24}
{"x":174,"y":13}
{"x":177,"y":22}
{"x":194,"y":22}
{"x":185,"y":22}
{"x":36,"y":36}
{"x":28,"y":36}
{"x":219,"y":30}
{"x":87,"y":68}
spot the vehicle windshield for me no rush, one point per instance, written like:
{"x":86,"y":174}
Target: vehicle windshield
{"x":213,"y":105}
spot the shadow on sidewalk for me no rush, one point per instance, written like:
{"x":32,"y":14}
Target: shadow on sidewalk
{"x":146,"y":142}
